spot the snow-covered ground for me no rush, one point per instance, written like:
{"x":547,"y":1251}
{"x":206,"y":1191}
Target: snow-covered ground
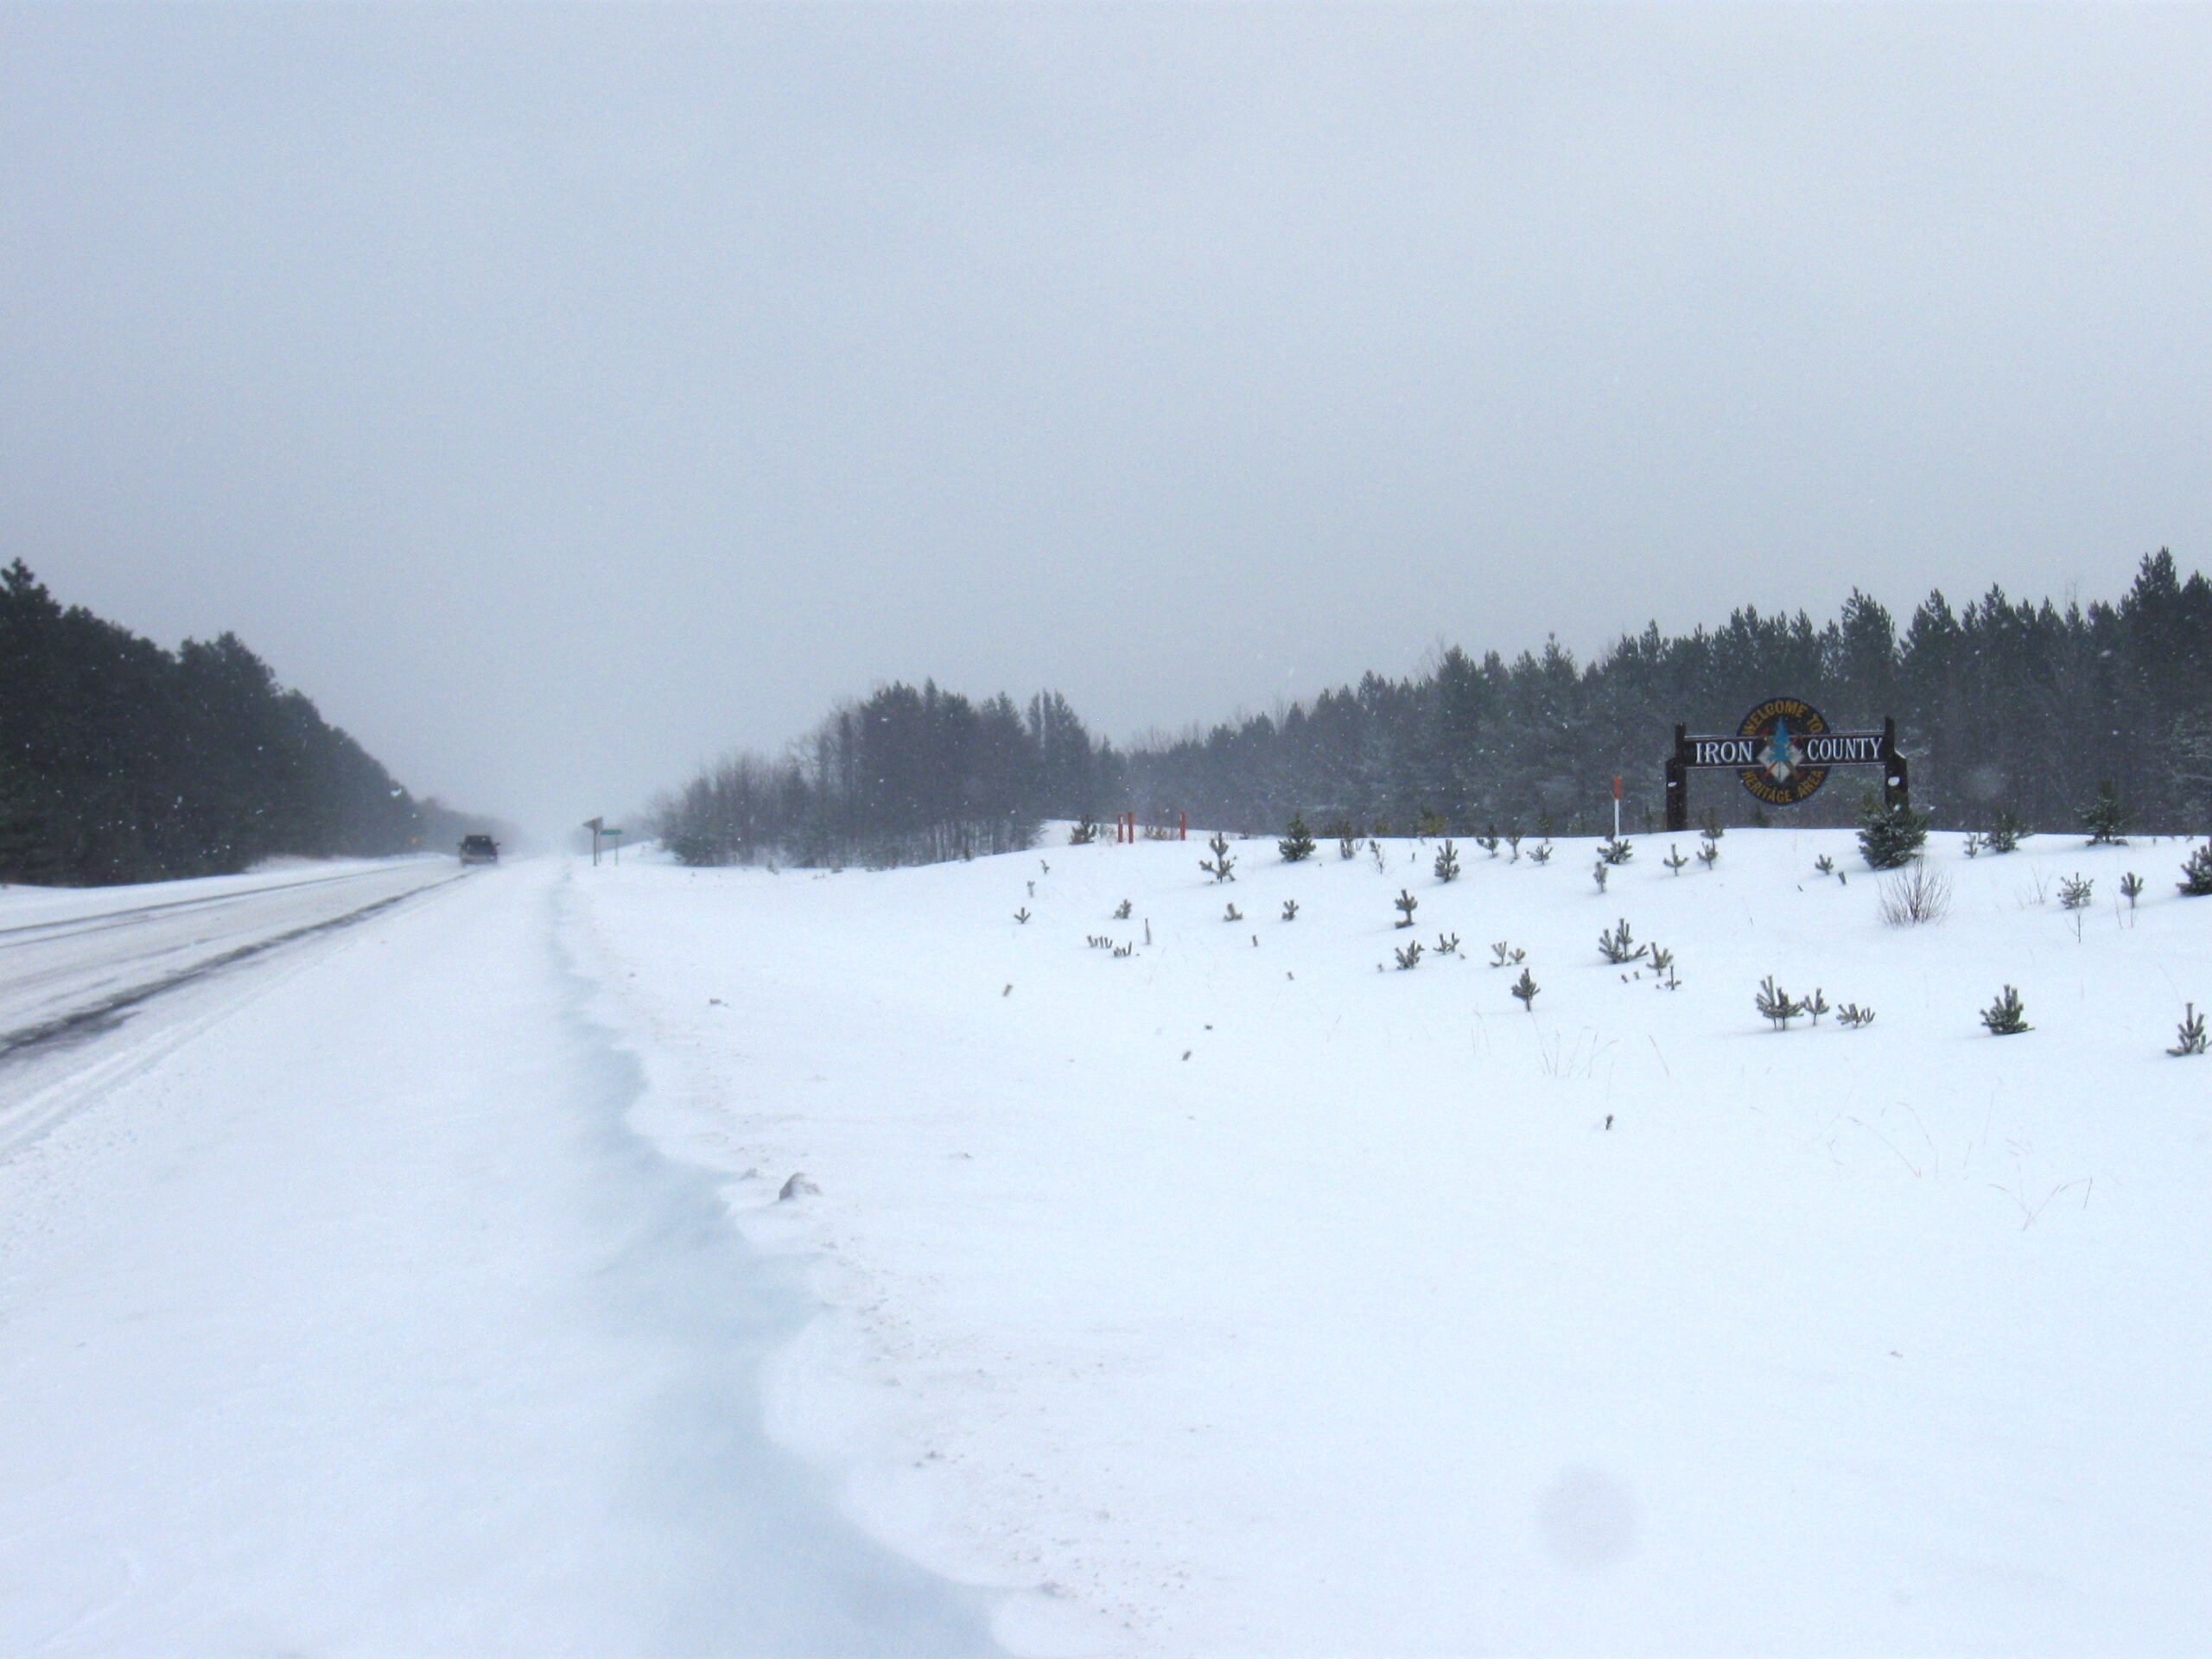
{"x":425,"y":1286}
{"x":341,"y":1312}
{"x":1245,"y":1294}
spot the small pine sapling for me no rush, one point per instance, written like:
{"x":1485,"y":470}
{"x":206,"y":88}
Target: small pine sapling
{"x":1021,"y":915}
{"x":1852,"y":1015}
{"x":1431,"y":823}
{"x":1513,"y":845}
{"x":1525,"y":989}
{"x":1121,"y":911}
{"x":1974,"y":843}
{"x":1541,"y":854}
{"x":2004,"y":835}
{"x":1296,"y":844}
{"x":1825,"y":865}
{"x":1406,"y":904}
{"x":1084,"y":832}
{"x":1447,"y":862}
{"x":1616,"y":850}
{"x":1221,"y":863}
{"x":1488,"y":840}
{"x":1504,"y":954}
{"x":1447,"y":944}
{"x":2074,"y":891}
{"x":1375,"y":847}
{"x":1290,"y":910}
{"x":1662,"y":970}
{"x":2131,"y":889}
{"x":2196,"y":872}
{"x":2004,"y":1017}
{"x":1409,"y":956}
{"x":2104,"y":817}
{"x":1347,"y":840}
{"x":1599,"y":871}
{"x":1618,"y":946}
{"x":1775,"y":1004}
{"x":1709,"y":854}
{"x":1674,"y":861}
{"x":1890,"y":836}
{"x":1232,"y":915}
{"x":2188,"y":1038}
{"x":1816,"y":1005}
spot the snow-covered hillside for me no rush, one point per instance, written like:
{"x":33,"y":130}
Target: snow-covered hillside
{"x":1245,"y":1293}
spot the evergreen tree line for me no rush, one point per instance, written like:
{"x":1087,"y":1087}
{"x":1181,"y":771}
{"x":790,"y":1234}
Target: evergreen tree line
{"x":2003,"y":707}
{"x":905,"y":777}
{"x":121,"y":761}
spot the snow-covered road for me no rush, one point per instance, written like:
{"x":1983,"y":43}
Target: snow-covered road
{"x":360,"y":1322}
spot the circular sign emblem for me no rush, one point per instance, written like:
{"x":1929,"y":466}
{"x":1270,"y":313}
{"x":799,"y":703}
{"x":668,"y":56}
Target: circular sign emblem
{"x":1782,"y":777}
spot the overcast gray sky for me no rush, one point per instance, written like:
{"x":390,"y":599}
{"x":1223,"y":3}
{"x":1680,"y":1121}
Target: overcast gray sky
{"x":564,"y":396}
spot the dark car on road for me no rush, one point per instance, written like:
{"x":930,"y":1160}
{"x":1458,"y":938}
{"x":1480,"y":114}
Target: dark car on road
{"x":479,"y":849}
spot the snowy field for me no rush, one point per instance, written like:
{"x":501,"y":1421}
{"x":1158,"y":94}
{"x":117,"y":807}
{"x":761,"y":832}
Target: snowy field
{"x":1247,"y":1295}
{"x":426,"y":1285}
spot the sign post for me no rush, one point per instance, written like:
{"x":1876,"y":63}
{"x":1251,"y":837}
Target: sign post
{"x":1783,"y":752}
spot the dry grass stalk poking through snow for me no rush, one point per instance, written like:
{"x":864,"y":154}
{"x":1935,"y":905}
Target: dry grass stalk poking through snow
{"x":1918,"y":894}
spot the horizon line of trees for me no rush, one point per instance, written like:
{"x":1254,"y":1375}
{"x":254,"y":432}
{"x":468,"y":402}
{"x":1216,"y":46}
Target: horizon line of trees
{"x":121,"y":761}
{"x":2004,"y":706}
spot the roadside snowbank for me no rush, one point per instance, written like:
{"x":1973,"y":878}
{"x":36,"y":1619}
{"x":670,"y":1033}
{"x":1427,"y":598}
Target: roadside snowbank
{"x":1236,"y":1297}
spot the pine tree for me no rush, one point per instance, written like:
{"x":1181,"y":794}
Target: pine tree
{"x":2104,"y":817}
{"x":1890,"y":836}
{"x":1297,"y":844}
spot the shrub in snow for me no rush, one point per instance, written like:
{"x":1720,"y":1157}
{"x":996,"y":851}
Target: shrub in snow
{"x":1854,"y":1016}
{"x":1232,"y":915}
{"x":1919,"y":892}
{"x":1406,"y":904}
{"x":2074,"y":891}
{"x":1541,"y":854}
{"x":1221,"y":863}
{"x":1513,"y":843}
{"x":1488,"y":840}
{"x":1525,"y":989}
{"x":2196,"y":872}
{"x":1891,"y":835}
{"x":1021,"y":915}
{"x":2104,"y":817}
{"x":1662,"y":967}
{"x":1121,"y":911}
{"x":1614,"y":850}
{"x":1674,"y":861}
{"x":1084,"y":834}
{"x":1410,"y":956}
{"x":2190,"y":1039}
{"x":1709,"y":854}
{"x":1447,"y":862}
{"x":1290,"y":910}
{"x":2131,"y":889}
{"x":1775,"y":1004}
{"x":1503,"y":954}
{"x":1447,"y":944}
{"x":1347,"y":839}
{"x":1430,"y":823}
{"x":1600,"y":871}
{"x":2003,"y":1016}
{"x":1816,"y":1005}
{"x":1296,"y":844}
{"x":2004,"y":834}
{"x":1618,"y":946}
